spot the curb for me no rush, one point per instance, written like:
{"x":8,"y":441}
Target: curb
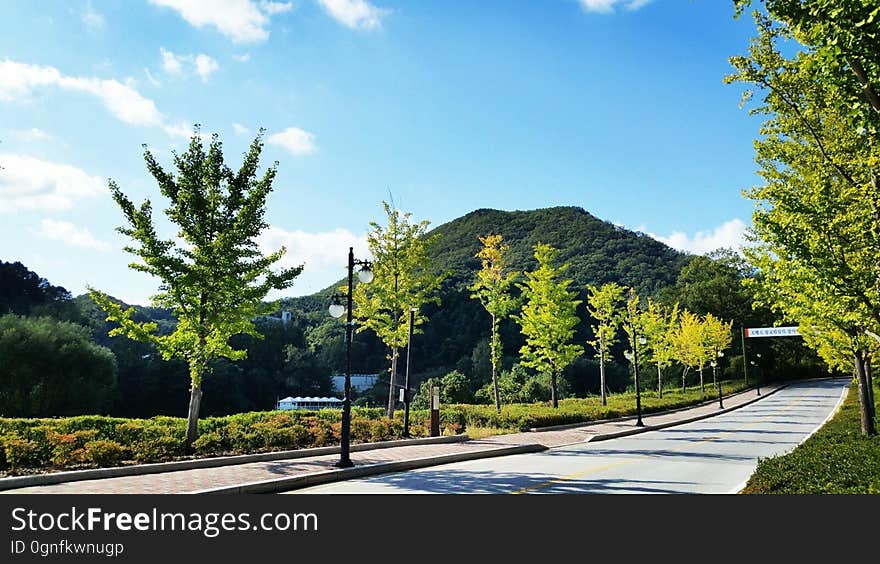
{"x":647,"y":428}
{"x":566,"y":426}
{"x":214,"y":462}
{"x":329,"y":476}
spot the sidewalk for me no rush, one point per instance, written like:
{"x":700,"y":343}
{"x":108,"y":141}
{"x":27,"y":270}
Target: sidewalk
{"x":235,"y":478}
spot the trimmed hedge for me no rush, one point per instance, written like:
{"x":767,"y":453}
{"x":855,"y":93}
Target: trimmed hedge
{"x":89,"y":441}
{"x":523,"y":416}
{"x":836,"y":460}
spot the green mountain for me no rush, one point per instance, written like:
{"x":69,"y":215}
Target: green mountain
{"x":456,"y":335}
{"x":598,"y":251}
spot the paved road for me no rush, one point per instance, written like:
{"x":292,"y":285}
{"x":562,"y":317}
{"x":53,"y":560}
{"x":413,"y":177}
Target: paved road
{"x":715,"y":455}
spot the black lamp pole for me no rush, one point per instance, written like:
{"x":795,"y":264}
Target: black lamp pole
{"x":635,"y":359}
{"x":638,"y":391}
{"x":345,"y":446}
{"x":715,"y":363}
{"x":412,"y":314}
{"x":758,"y":375}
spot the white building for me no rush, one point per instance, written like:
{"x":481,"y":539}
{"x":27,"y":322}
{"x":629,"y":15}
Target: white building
{"x":308,"y":403}
{"x":359,"y":382}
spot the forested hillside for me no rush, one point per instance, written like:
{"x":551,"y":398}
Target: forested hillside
{"x":456,"y":337}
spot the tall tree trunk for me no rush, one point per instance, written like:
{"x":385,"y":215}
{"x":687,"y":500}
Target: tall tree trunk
{"x":553,"y":394}
{"x":683,"y":378}
{"x":391,"y":399}
{"x":864,"y":396}
{"x":659,"y":382}
{"x":702,"y":387}
{"x":192,"y":415}
{"x":495,"y":388}
{"x":492,"y":351}
{"x":602,"y":371}
{"x":869,"y":378}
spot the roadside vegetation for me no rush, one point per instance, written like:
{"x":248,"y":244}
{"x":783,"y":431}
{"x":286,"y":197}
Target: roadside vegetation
{"x":838,"y":459}
{"x":29,"y":445}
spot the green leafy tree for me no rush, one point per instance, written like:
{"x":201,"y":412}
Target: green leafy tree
{"x":832,"y":324}
{"x":50,"y":368}
{"x":817,"y":222}
{"x":687,"y":339}
{"x":403,"y":281}
{"x":632,"y":321}
{"x":659,"y":323}
{"x":604,"y":304}
{"x":718,"y":337}
{"x":548,"y":318}
{"x":493,"y":288}
{"x":213,"y":277}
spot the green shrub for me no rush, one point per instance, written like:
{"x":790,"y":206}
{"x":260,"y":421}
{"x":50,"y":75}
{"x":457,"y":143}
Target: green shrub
{"x":211,"y":442}
{"x":21,"y":453}
{"x":158,"y":447}
{"x":103,"y":452}
{"x":380,"y":430}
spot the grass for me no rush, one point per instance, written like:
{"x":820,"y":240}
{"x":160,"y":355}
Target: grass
{"x":835,"y":460}
{"x":482,"y":420}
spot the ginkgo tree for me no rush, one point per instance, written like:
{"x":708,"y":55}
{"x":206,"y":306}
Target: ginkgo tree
{"x":548,"y":318}
{"x":687,"y":343}
{"x":659,"y":323}
{"x":718,"y":336}
{"x":403,"y":281}
{"x":212,"y":275}
{"x":604,"y":304}
{"x":816,"y":233}
{"x":493,"y":288}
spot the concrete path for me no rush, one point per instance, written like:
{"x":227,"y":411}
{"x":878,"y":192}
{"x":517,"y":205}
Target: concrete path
{"x":194,"y":480}
{"x":713,"y":455}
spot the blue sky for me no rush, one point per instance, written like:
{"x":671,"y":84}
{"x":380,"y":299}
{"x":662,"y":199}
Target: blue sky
{"x":617,"y":106}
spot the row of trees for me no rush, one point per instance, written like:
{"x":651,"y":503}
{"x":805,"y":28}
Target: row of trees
{"x":817,"y":217}
{"x":548,"y":318}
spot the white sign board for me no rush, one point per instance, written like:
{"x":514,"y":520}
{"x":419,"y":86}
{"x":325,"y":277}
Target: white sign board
{"x":773,"y":332}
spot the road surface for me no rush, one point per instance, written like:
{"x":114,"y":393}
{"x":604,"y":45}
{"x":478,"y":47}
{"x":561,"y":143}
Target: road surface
{"x":715,"y":455}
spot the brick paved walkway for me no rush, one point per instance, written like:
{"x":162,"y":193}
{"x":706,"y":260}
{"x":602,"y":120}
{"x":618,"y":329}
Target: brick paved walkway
{"x":185,"y":481}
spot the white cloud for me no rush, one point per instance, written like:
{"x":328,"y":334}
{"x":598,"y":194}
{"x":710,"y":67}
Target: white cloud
{"x":182,"y":130}
{"x":92,"y":19}
{"x":201,"y":64}
{"x":607,"y":6}
{"x":33,"y":135}
{"x":17,"y":80}
{"x":295,"y":140}
{"x":730,"y":234}
{"x":152,"y":79}
{"x":356,"y":14}
{"x":171,"y":63}
{"x":243,"y":58}
{"x":239,"y":129}
{"x":205,"y":66}
{"x":242,"y":21}
{"x":70,"y":234}
{"x":28,"y":183}
{"x":272,"y":8}
{"x":324,"y":254}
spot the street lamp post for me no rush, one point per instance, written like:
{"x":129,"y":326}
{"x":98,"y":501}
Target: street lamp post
{"x":336,"y":310}
{"x":634,"y":356}
{"x":720,"y":355}
{"x":757,"y":373}
{"x":406,"y":395}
